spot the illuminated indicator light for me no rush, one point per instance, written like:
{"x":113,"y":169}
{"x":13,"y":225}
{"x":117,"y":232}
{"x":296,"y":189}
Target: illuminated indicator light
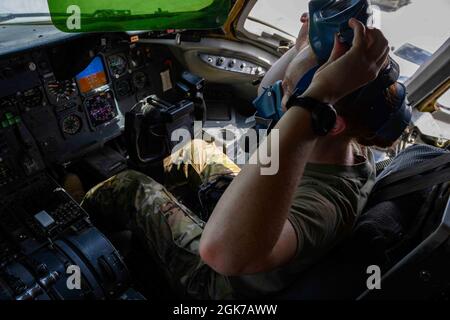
{"x":17,"y":119}
{"x":4,"y":124}
{"x":11,"y":122}
{"x":9,"y":115}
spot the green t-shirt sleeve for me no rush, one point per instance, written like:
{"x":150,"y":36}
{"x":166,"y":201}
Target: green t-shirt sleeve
{"x":321,"y":215}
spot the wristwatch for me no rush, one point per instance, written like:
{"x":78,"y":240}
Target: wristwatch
{"x":323,"y":115}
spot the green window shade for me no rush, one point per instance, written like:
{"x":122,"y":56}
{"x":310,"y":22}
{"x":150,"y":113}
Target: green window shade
{"x":133,"y":15}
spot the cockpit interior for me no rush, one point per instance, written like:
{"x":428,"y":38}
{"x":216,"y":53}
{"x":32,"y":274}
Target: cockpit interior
{"x":67,"y":117}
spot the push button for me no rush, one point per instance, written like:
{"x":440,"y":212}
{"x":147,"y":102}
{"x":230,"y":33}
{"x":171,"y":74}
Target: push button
{"x":44,"y":219}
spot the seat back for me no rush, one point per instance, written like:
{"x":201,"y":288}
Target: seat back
{"x":406,"y":206}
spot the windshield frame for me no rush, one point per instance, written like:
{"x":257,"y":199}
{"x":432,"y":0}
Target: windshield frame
{"x":271,"y":43}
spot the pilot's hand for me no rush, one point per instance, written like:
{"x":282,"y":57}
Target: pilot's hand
{"x":349,"y":69}
{"x":303,"y":35}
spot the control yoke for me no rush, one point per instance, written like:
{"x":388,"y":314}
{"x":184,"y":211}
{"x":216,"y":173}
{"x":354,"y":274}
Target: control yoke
{"x":149,"y":126}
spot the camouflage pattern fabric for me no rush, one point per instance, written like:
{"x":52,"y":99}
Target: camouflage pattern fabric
{"x":197,"y":163}
{"x":171,"y":232}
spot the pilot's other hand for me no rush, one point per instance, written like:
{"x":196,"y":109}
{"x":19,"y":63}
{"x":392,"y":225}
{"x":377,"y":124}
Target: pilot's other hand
{"x":303,"y":35}
{"x":349,"y":69}
{"x":299,"y":66}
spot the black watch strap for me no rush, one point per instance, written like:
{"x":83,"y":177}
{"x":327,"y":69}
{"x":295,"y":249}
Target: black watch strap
{"x":323,"y":115}
{"x":303,"y":102}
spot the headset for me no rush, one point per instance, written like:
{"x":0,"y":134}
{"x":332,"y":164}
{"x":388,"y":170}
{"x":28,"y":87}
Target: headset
{"x":387,"y":119}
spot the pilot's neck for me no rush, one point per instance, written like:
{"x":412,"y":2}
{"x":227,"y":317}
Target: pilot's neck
{"x":332,"y":150}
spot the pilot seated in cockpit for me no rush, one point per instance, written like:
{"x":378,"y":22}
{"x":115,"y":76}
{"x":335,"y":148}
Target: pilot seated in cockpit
{"x":266,"y":229}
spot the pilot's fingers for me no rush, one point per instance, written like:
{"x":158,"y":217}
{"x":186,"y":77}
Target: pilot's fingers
{"x":383,"y":60}
{"x":376,"y":44}
{"x":360,"y":32}
{"x":370,"y":37}
{"x":339,"y":49}
{"x":304,"y":17}
{"x":374,"y":67}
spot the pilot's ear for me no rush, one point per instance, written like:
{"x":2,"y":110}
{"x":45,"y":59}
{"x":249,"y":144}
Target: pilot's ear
{"x":339,"y":127}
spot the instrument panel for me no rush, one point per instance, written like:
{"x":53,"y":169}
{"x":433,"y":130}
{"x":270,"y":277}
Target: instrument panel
{"x":67,"y":118}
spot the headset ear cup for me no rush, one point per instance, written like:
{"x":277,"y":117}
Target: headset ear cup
{"x":395,"y":73}
{"x":399,"y":119}
{"x":328,"y":17}
{"x":390,"y":74}
{"x":386,"y":114}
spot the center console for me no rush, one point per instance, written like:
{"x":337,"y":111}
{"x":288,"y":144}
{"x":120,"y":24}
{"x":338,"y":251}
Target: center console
{"x":46,"y":239}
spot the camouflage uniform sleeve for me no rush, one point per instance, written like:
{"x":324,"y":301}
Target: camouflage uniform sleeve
{"x":198,"y":162}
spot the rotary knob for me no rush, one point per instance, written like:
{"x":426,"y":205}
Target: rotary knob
{"x":220,"y":61}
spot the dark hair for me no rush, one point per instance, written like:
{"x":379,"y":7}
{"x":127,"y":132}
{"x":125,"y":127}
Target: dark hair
{"x":352,"y":109}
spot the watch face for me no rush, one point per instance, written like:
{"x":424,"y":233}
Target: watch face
{"x":324,"y":117}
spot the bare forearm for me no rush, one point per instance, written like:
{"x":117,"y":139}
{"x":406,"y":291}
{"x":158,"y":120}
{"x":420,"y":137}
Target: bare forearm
{"x":278,"y":69}
{"x":249,"y":218}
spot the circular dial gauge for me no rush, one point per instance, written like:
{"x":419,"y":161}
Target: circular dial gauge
{"x":139,"y":80}
{"x":61,"y":91}
{"x":118,"y":65}
{"x":137,"y":57}
{"x":71,"y":124}
{"x":101,"y":108}
{"x":123,"y":88}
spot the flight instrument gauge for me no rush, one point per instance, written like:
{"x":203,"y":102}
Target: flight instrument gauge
{"x":123,"y":88}
{"x":118,"y":65}
{"x":137,"y":58}
{"x":139,"y":80}
{"x":60,"y":92}
{"x":71,"y":124}
{"x":101,"y":108}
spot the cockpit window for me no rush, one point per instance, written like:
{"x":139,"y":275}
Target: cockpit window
{"x":414,"y":28}
{"x":24,"y":11}
{"x":117,"y":15}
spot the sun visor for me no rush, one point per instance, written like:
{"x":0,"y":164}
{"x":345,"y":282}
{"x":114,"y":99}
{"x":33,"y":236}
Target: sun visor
{"x":133,"y":15}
